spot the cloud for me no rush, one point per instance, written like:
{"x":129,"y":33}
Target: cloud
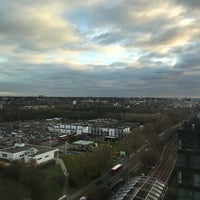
{"x":194,"y":4}
{"x":35,"y":28}
{"x":108,"y":37}
{"x":189,"y":61}
{"x":99,"y":48}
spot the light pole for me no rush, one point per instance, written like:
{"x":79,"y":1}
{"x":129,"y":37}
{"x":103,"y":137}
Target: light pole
{"x":66,"y":147}
{"x":50,"y":140}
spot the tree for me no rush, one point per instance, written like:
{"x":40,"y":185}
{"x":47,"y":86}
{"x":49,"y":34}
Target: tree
{"x":25,"y":177}
{"x":15,"y":170}
{"x":133,"y":141}
{"x":85,"y":167}
{"x":162,"y":123}
{"x":148,"y":130}
{"x":11,"y":190}
{"x":149,"y":158}
{"x":34,"y":185}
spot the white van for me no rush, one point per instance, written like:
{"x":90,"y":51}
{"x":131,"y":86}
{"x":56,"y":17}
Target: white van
{"x":83,"y":198}
{"x":64,"y":197}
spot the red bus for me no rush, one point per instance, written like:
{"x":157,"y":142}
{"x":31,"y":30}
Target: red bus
{"x":110,"y":138}
{"x":116,"y":169}
{"x":66,"y":137}
{"x":63,"y":138}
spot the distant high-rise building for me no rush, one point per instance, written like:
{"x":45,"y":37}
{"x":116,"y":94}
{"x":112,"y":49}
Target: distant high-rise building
{"x":74,"y":103}
{"x":188,"y":164}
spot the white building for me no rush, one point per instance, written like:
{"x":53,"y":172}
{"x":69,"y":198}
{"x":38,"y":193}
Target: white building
{"x":101,"y":127}
{"x":111,"y":131}
{"x":28,"y":152}
{"x":76,"y":128}
{"x":35,"y":107}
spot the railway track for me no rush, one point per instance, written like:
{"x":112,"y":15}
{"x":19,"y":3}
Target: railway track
{"x":164,"y":167}
{"x":154,"y":185}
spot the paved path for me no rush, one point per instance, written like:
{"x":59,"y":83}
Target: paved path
{"x":60,"y":162}
{"x":62,"y":165}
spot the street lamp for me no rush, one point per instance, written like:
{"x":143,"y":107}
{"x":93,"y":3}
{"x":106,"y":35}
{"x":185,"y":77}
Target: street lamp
{"x":66,"y":147}
{"x":50,"y":140}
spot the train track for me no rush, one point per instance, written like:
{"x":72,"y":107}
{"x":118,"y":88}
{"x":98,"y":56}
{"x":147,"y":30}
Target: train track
{"x":160,"y":173}
{"x":164,"y":167}
{"x":154,"y":185}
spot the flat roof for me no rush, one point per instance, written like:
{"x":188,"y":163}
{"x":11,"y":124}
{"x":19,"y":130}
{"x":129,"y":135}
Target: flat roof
{"x":40,"y":149}
{"x":83,"y":142}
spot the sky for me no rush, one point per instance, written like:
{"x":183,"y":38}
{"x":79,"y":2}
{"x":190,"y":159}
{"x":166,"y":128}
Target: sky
{"x":115,"y":48}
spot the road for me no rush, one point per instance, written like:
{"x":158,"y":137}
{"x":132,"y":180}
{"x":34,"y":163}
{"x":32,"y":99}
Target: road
{"x":107,"y":180}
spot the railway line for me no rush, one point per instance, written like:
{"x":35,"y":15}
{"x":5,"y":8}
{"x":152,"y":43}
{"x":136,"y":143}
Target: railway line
{"x":164,"y":167}
{"x":154,"y":185}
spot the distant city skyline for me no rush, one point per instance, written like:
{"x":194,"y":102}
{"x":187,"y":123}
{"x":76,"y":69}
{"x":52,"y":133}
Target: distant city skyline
{"x":94,"y":48}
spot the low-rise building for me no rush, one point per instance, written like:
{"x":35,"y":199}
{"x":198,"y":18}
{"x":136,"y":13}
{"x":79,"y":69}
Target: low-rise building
{"x":83,"y":145}
{"x":27,"y":152}
{"x":77,"y":128}
{"x":98,"y":127}
{"x":36,"y":107}
{"x":109,"y":127}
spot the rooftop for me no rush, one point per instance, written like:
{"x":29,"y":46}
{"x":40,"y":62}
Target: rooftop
{"x":83,"y":142}
{"x":25,"y":147}
{"x":142,"y":187}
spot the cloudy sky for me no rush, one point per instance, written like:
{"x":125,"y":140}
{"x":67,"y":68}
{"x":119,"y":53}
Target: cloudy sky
{"x":120,"y":48}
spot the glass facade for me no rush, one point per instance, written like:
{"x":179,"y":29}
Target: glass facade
{"x":184,"y":194}
{"x":188,"y":161}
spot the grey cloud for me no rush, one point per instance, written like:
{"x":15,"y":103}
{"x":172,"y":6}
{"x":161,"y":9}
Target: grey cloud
{"x":192,"y":47}
{"x":125,"y":81}
{"x":103,"y":24}
{"x":164,"y":35}
{"x":121,"y":18}
{"x":189,"y":59}
{"x":110,"y":38}
{"x":194,"y":4}
{"x":100,"y":16}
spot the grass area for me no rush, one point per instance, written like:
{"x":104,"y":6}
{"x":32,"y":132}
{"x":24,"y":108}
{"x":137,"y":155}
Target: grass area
{"x":53,"y":191}
{"x":115,"y":146}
